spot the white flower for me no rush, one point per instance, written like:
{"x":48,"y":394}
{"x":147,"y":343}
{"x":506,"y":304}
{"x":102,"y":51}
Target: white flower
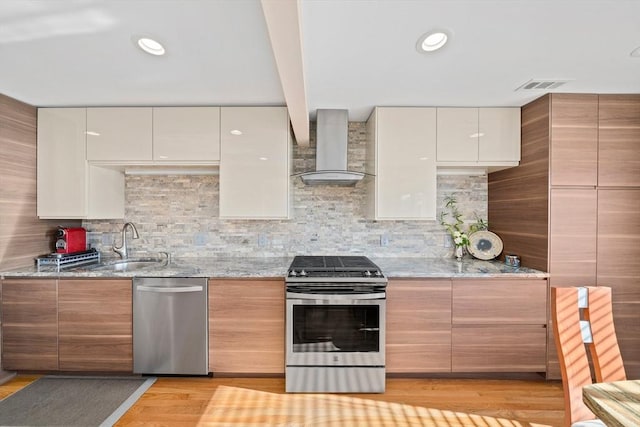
{"x":456,"y":234}
{"x":457,"y":240}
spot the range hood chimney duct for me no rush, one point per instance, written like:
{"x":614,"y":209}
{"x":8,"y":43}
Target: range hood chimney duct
{"x":332,"y":135}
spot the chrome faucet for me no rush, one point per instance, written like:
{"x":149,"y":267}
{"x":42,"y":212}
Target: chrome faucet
{"x":122,"y":250}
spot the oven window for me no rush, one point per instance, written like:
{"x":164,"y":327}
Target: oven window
{"x":336,"y":328}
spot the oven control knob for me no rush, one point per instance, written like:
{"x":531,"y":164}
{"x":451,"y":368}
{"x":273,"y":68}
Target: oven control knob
{"x":367,"y":273}
{"x":377,"y":273}
{"x":303,"y":273}
{"x":293,"y":273}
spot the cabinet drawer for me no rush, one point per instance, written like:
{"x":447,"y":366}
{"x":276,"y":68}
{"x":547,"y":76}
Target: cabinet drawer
{"x":500,"y":302}
{"x":419,"y":352}
{"x":498,"y":349}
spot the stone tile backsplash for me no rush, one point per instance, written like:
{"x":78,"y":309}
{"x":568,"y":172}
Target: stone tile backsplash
{"x":179,"y":214}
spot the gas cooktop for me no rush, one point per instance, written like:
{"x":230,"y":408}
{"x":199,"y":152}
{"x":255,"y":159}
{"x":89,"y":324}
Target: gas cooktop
{"x":333,"y":267}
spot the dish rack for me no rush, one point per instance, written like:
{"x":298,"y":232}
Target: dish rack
{"x":68,"y":260}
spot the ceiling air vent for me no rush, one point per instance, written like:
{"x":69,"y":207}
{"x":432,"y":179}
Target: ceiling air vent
{"x":541,"y":84}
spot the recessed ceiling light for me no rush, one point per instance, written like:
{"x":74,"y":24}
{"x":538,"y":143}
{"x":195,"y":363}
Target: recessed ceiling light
{"x":432,"y":41}
{"x":235,"y":132}
{"x":151,"y":46}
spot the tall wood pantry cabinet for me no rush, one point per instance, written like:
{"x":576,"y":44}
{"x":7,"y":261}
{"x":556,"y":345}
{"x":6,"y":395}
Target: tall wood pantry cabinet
{"x":572,"y":207}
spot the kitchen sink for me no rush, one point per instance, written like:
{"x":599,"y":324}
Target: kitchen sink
{"x":131,"y":264}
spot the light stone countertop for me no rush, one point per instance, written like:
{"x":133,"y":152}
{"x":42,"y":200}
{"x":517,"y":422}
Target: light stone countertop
{"x":276,"y":267}
{"x":449,"y":267}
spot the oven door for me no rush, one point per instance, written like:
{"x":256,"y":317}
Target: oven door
{"x":335,"y":329}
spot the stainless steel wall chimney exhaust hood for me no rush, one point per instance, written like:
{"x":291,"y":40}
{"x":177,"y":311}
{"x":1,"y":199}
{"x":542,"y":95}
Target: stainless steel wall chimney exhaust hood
{"x":332,"y":135}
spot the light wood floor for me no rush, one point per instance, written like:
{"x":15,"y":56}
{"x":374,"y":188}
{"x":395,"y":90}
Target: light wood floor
{"x":406,"y":402}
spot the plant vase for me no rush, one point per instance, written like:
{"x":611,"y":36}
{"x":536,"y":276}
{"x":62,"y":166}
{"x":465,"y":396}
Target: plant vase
{"x":459,"y":252}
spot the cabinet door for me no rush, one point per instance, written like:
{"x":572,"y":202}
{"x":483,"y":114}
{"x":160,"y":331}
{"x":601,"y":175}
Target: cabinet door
{"x":254,"y":162}
{"x":95,"y":325}
{"x":572,"y":238}
{"x":499,"y":325}
{"x":499,"y":134}
{"x":619,"y":140}
{"x":418,"y":326}
{"x":246,"y":326}
{"x":574,"y":139}
{"x":572,"y":248}
{"x":119,"y":134}
{"x":457,"y":134}
{"x":62,"y":171}
{"x":105,"y":193}
{"x":619,"y":269}
{"x":405,"y":183}
{"x":186,"y":134}
{"x":29,"y":325}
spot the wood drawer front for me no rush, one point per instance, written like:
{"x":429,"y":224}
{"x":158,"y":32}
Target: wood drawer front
{"x":423,"y":352}
{"x":499,"y":349}
{"x":29,"y":325}
{"x":246,"y":326}
{"x":415,"y":304}
{"x":517,"y":301}
{"x":95,"y":325}
{"x":99,"y":353}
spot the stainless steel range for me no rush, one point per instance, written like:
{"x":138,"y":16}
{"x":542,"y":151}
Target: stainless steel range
{"x":335,"y":325}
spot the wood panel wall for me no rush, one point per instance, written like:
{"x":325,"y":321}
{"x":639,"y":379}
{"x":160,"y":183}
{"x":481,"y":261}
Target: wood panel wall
{"x":22,"y":235}
{"x":519,"y":197}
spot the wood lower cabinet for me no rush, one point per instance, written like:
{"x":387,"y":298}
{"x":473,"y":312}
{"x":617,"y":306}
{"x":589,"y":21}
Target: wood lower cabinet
{"x":95,"y":325}
{"x":246,"y":326}
{"x":499,"y":325}
{"x":418,"y":326}
{"x":29,"y":325}
{"x":466,"y":325}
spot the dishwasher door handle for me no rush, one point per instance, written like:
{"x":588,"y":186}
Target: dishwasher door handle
{"x":172,"y":289}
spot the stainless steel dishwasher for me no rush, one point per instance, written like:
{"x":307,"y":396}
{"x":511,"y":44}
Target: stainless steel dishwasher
{"x":170,"y":326}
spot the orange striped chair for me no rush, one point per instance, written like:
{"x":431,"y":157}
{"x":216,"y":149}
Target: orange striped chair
{"x":582,"y":317}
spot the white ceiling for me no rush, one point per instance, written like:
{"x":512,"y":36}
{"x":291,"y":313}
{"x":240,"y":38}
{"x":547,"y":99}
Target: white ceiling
{"x":356,"y":53}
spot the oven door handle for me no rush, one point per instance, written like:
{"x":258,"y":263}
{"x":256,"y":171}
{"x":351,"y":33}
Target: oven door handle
{"x":308,"y":296}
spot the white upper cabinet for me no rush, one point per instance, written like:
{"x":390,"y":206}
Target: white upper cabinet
{"x":403,"y":141}
{"x":484,"y":137}
{"x":189,"y":134}
{"x":254,"y":162}
{"x":68,"y":187}
{"x":62,"y":174}
{"x":119,"y":134}
{"x":499,"y":134}
{"x":457,"y":134}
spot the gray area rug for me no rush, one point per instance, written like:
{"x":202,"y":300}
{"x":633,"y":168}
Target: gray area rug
{"x":72,"y":401}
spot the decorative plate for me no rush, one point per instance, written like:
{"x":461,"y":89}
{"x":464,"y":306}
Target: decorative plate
{"x":484,"y":245}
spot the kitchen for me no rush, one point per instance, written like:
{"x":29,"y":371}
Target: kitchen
{"x":324,"y":220}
